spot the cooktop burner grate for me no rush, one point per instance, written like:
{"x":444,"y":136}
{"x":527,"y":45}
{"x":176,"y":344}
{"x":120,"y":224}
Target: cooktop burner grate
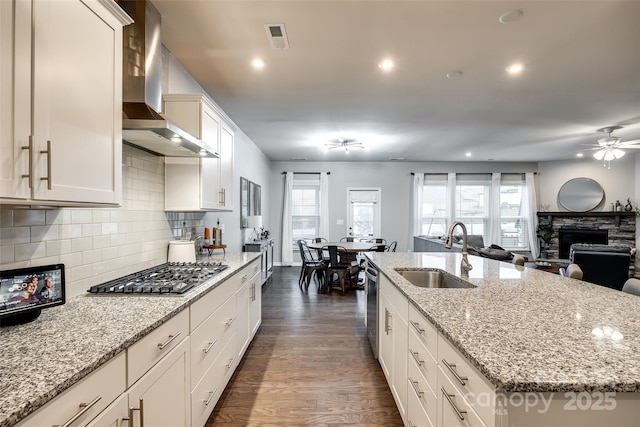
{"x":168,"y":278}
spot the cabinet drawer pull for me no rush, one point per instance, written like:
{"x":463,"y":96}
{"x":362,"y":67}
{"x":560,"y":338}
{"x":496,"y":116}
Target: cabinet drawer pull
{"x":30,"y":148}
{"x":171,"y":338}
{"x":414,"y":384}
{"x":84,"y":407}
{"x":206,"y":350}
{"x":244,"y":278}
{"x":448,"y":396}
{"x":450,"y":366}
{"x":48,"y":153}
{"x":387,"y":324}
{"x":416,"y":325}
{"x":415,"y":355}
{"x":230,"y":364}
{"x":141,"y":409}
{"x":213,"y":393}
{"x":412,"y":424}
{"x":230,"y":321}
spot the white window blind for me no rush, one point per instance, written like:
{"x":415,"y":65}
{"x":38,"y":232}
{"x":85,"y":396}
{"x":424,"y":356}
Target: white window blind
{"x":305,"y":208}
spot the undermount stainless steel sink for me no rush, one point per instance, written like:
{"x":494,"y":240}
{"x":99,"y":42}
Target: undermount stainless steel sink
{"x":434,"y":278}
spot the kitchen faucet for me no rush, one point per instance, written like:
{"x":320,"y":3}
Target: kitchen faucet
{"x":464,"y":265}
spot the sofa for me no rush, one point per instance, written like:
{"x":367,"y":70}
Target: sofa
{"x":605,"y":265}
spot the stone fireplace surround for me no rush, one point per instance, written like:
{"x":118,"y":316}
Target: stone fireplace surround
{"x":621,"y":227}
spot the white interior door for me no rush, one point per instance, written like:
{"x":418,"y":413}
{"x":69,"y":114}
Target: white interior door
{"x":363,"y":213}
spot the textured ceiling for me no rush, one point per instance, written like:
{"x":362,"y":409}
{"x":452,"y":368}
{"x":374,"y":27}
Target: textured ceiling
{"x":582,"y":73}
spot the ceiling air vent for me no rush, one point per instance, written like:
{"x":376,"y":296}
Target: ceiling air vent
{"x":277,"y":36}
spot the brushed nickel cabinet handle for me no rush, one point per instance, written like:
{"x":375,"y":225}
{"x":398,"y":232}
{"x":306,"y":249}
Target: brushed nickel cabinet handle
{"x":213,"y":393}
{"x":448,"y":396}
{"x":416,"y":325}
{"x":415,"y":355}
{"x":141,"y":409}
{"x":450,"y":366}
{"x":48,"y":153}
{"x":30,"y":148}
{"x":171,"y":338}
{"x":84,"y":407}
{"x":387,"y":323}
{"x":230,"y":321}
{"x":414,"y":384}
{"x":206,"y":350}
{"x":230,"y":364}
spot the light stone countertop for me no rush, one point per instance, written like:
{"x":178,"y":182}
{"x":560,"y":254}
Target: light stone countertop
{"x":529,"y":330}
{"x":41,"y":359}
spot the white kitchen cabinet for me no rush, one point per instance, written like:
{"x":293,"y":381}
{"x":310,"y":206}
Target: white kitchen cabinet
{"x":61,"y":102}
{"x":84,"y":400}
{"x":393,"y":342}
{"x":210,"y":179}
{"x":115,"y":415}
{"x":162,"y":395}
{"x":255,"y":308}
{"x":248,"y":300}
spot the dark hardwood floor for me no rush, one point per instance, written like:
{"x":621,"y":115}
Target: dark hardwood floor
{"x":310,"y":364}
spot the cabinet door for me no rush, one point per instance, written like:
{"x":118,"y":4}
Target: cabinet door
{"x":15,"y":95}
{"x":225,"y":186}
{"x":77,"y":102}
{"x":385,"y":337}
{"x":115,"y":415}
{"x":242,"y":321}
{"x":162,"y":395}
{"x":255,"y":310}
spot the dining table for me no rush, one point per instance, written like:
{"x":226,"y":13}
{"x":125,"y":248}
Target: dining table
{"x":351,"y":249}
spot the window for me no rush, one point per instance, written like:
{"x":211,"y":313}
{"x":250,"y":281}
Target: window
{"x":472,"y":206}
{"x":306,"y":210}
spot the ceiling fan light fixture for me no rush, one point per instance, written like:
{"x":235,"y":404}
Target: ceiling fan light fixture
{"x":599,"y":155}
{"x":617,"y":153}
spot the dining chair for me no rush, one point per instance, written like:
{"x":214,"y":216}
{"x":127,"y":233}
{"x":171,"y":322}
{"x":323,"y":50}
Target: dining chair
{"x":378,"y":241}
{"x":344,"y":271}
{"x":321,"y":255}
{"x":392,"y":246}
{"x":573,"y":270}
{"x":348,"y":239}
{"x":310,"y":267}
{"x":632,"y":286}
{"x":518,"y":259}
{"x":379,"y":248}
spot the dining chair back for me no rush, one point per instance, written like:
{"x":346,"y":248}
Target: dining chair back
{"x":632,"y":286}
{"x":379,"y":248}
{"x":311,"y":266}
{"x":348,"y":239}
{"x":392,"y":246}
{"x":378,"y":241}
{"x":341,"y":269}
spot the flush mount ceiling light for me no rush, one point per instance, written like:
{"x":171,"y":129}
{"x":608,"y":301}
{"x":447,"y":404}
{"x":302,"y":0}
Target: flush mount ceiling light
{"x":343,"y":143}
{"x":610,"y":147}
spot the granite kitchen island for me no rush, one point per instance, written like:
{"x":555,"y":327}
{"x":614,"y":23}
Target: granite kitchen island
{"x":538,"y":336}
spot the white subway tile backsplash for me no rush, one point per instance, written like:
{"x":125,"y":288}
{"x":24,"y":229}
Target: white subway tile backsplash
{"x":100,"y":242}
{"x":71,"y":259}
{"x":6,"y":218}
{"x":90,"y":230}
{"x":101,"y":215}
{"x":57,"y":216}
{"x":81,"y":216}
{"x":45,"y":232}
{"x":92,"y":256}
{"x":7,"y":254}
{"x":58,"y":247}
{"x":28,"y":217}
{"x":15,"y":235}
{"x":81,"y":244}
{"x":109,"y":228}
{"x":71,"y":231}
{"x":27,"y":251}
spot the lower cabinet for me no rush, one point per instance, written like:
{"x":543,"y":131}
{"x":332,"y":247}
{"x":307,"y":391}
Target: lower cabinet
{"x":393,"y":336}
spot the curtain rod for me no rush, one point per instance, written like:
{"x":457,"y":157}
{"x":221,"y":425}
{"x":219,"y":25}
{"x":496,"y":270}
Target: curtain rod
{"x":471,"y":173}
{"x":307,"y":173}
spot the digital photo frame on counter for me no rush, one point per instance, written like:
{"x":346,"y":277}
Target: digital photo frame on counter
{"x":25,"y":292}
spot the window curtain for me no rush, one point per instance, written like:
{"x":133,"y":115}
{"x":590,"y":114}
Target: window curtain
{"x":415,"y":206}
{"x":451,"y":198}
{"x":287,"y":226}
{"x":530,"y":207}
{"x":324,"y":205}
{"x":495,"y":230}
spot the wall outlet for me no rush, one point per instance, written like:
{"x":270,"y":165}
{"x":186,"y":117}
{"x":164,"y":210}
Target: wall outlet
{"x":340,"y":222}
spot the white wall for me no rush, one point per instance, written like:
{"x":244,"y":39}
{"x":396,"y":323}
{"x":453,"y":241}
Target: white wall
{"x":392,"y":177}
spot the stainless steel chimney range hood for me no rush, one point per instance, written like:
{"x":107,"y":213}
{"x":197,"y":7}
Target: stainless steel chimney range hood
{"x":142,"y":124}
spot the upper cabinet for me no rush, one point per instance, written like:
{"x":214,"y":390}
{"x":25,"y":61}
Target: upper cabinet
{"x":61,"y":102}
{"x":199,"y":184}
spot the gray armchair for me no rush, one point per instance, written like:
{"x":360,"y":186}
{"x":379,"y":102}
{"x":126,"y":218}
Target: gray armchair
{"x":605,"y":265}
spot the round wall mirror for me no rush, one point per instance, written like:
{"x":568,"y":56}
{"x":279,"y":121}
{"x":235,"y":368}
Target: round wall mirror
{"x":580,"y":194}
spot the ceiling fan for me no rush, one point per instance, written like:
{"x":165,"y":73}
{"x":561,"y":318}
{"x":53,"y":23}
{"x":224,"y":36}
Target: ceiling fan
{"x":611,"y":147}
{"x":346,"y":144}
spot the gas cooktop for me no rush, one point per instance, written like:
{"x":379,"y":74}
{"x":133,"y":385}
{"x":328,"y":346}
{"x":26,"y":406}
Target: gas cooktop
{"x":168,"y":278}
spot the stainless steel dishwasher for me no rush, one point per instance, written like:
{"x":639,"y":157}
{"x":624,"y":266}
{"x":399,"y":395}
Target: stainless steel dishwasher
{"x":372,"y":306}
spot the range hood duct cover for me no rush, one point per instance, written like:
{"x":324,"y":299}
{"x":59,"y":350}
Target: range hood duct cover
{"x":142,"y":123}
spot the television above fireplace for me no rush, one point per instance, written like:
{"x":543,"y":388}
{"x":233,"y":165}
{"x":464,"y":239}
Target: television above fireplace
{"x":569,"y":236}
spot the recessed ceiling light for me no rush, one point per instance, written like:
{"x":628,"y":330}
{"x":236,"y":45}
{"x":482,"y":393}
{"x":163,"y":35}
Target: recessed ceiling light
{"x":511,"y":16}
{"x":386,"y":64}
{"x":516,"y":68}
{"x":258,"y":63}
{"x":580,"y":155}
{"x":468,"y":154}
{"x":454,"y":74}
